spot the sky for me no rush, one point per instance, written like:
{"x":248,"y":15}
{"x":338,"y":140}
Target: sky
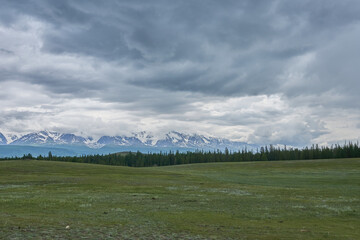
{"x":264,"y":72}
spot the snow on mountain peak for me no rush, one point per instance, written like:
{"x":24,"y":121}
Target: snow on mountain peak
{"x":171,"y":139}
{"x":10,"y":138}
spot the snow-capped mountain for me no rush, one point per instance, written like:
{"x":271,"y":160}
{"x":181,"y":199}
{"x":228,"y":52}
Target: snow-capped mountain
{"x":11,"y":138}
{"x":46,"y":137}
{"x":176,"y":139}
{"x":107,"y":140}
{"x":170,"y":140}
{"x":183,"y":140}
{"x":146,"y":138}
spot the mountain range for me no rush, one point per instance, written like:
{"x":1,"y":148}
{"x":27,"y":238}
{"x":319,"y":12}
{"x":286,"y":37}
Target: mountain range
{"x":171,"y":139}
{"x":71,"y":144}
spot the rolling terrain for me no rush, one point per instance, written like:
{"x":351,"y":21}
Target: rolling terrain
{"x":317,"y":199}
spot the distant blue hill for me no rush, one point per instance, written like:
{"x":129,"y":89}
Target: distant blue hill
{"x":19,"y":150}
{"x":70,"y":150}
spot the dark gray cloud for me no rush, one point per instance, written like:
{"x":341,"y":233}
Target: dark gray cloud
{"x":233,"y":47}
{"x":175,"y":61}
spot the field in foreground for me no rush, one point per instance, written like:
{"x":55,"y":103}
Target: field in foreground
{"x":256,"y":200}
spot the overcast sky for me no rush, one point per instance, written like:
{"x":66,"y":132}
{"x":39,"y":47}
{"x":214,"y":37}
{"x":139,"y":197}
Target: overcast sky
{"x":263,"y":72}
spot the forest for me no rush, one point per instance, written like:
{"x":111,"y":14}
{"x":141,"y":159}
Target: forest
{"x":267,"y":153}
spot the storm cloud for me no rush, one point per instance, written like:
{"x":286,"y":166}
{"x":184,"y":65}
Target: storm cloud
{"x":279,"y":72}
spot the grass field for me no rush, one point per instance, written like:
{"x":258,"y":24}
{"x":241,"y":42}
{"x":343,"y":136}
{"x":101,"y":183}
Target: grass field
{"x":255,"y":200}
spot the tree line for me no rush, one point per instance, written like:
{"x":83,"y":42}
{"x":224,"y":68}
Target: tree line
{"x":267,"y":153}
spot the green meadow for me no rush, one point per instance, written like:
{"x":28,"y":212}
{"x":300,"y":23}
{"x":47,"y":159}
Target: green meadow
{"x":313,"y":199}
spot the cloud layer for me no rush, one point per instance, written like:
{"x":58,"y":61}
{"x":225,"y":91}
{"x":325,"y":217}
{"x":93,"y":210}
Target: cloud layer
{"x":257,"y":71}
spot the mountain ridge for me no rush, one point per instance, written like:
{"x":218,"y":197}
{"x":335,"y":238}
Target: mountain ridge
{"x":172,"y":139}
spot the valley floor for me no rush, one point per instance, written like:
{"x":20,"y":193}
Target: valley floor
{"x":314,"y":199}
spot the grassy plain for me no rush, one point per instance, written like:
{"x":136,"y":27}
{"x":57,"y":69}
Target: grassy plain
{"x":253,"y":200}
